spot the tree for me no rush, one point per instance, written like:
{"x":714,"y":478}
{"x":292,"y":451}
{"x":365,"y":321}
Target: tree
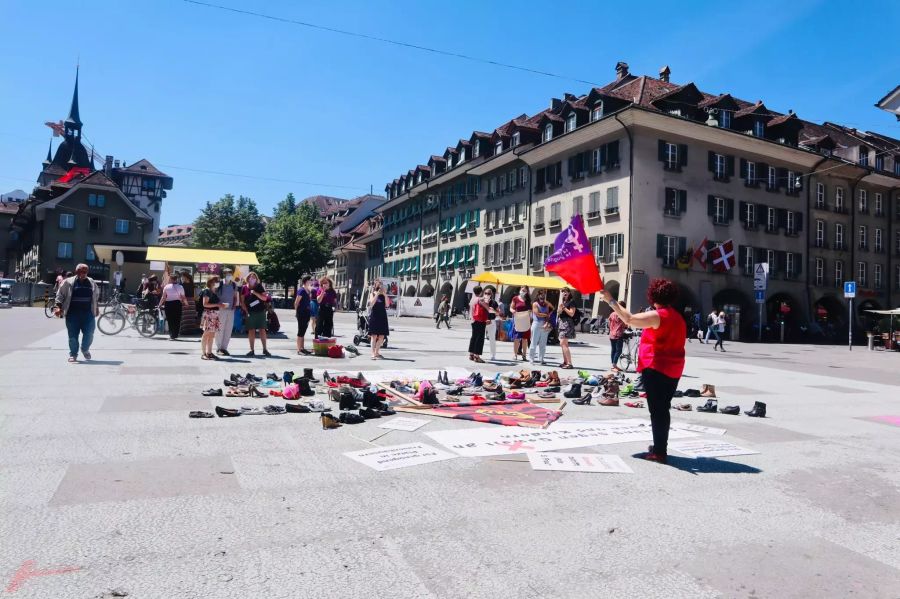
{"x":229,"y":224}
{"x":295,"y":242}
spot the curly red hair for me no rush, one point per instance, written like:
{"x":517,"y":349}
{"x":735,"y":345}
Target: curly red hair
{"x":662,"y":291}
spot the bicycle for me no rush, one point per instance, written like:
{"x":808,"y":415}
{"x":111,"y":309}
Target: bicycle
{"x":113,"y":320}
{"x":629,"y":357}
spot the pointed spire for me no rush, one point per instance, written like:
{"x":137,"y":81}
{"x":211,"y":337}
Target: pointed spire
{"x":49,"y":153}
{"x":74,"y":117}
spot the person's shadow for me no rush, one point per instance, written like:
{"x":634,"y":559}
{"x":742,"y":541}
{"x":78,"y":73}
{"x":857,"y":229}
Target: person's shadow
{"x":102,"y":362}
{"x":707,"y":465}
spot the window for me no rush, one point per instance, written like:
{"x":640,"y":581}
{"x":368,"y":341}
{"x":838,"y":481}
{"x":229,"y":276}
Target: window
{"x":771,"y":220}
{"x":99,"y":200}
{"x":539,"y":217}
{"x":771,"y":179}
{"x":462,"y":157}
{"x":794,"y":182}
{"x":547,"y":135}
{"x":878,"y":241}
{"x":612,"y":200}
{"x":63,"y":249}
{"x":95,"y":223}
{"x":863,"y":201}
{"x":751,"y":174}
{"x":838,"y":273}
{"x":719,"y":210}
{"x":820,"y":195}
{"x":516,"y":139}
{"x":725,"y":119}
{"x":839,"y":199}
{"x":554,"y":214}
{"x":498,"y":147}
{"x":876,"y":276}
{"x":596,"y":160}
{"x":671,"y":156}
{"x":838,"y":236}
{"x":879,"y":205}
{"x":518,"y":249}
{"x":863,"y":156}
{"x":820,"y":233}
{"x":571,"y":120}
{"x":897,"y":165}
{"x":748,"y":261}
{"x":593,"y":204}
{"x":66,"y":221}
{"x":749,"y":216}
{"x":523,"y":176}
{"x":676,"y":202}
{"x":614,"y":246}
{"x":669,"y":250}
{"x":720,"y":167}
{"x":576,"y":205}
{"x":476,"y":150}
{"x":820,"y":272}
{"x":89,"y":254}
{"x":879,"y":162}
{"x":597,"y":112}
{"x":122,"y":226}
{"x":790,"y":222}
{"x":790,"y":264}
{"x":770,"y":260}
{"x":759,"y":128}
{"x":863,"y":238}
{"x":861,"y":274}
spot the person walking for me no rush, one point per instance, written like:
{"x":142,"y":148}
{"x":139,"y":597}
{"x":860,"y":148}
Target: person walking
{"x":721,"y":321}
{"x":520,"y":306}
{"x":77,"y":300}
{"x":301,"y":308}
{"x":210,"y":321}
{"x":152,"y":292}
{"x":173,"y":302}
{"x":492,"y":321}
{"x":711,"y":328}
{"x":566,"y":316}
{"x":696,"y":328}
{"x":443,"y":313}
{"x":480,"y":310}
{"x":190,"y":319}
{"x":228,"y":294}
{"x":253,"y":299}
{"x":540,"y":327}
{"x":616,"y":338}
{"x":660,"y":357}
{"x":378,"y":319}
{"x":327,"y":300}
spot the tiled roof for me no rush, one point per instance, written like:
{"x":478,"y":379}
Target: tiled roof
{"x":143,"y":167}
{"x":759,"y":107}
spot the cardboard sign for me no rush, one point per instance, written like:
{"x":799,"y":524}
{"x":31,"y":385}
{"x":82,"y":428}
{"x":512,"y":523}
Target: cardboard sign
{"x":708,"y":448}
{"x":578,"y":462}
{"x":480,"y":442}
{"x":404,"y":424}
{"x":399,"y":456}
{"x":696,"y":428}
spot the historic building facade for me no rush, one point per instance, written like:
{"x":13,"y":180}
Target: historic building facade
{"x":655,"y":168}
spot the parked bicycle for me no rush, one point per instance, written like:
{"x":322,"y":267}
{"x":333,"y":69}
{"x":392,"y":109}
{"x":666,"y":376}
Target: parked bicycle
{"x":629,"y":357}
{"x":122,"y":311}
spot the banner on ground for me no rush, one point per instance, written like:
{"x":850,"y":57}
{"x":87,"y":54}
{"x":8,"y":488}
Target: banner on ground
{"x":400,"y":423}
{"x":399,"y":456}
{"x":708,"y":448}
{"x":506,"y":413}
{"x":578,"y":462}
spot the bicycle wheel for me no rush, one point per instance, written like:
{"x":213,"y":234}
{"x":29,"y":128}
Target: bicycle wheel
{"x":111,"y":323}
{"x":145,"y":323}
{"x":48,"y":308}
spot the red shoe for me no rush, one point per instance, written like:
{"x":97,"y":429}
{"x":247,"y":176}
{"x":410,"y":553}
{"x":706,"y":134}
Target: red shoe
{"x":655,"y":457}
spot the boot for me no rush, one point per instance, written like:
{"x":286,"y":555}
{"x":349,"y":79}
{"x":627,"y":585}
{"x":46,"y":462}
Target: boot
{"x":758,"y":411}
{"x":351,"y":418}
{"x":287,"y":376}
{"x":329,"y":421}
{"x":731,"y":410}
{"x":305,"y":389}
{"x":711,"y":405}
{"x":347,"y":402}
{"x":574,"y":391}
{"x":583,"y":401}
{"x":430,"y":397}
{"x":370,"y":400}
{"x":308,"y":374}
{"x":609,"y":401}
{"x":446,"y":378}
{"x":553,"y":379}
{"x":708,"y":390}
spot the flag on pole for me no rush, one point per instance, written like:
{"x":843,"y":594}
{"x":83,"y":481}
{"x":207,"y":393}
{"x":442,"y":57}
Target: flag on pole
{"x":701,"y":253}
{"x":573,"y":260}
{"x":723,"y":258}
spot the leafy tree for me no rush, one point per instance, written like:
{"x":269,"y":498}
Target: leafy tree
{"x":229,"y":224}
{"x":295,"y":242}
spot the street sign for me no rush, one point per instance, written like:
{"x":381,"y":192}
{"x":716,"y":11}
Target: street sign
{"x":760,"y":276}
{"x":760,"y":297}
{"x":849,"y":289}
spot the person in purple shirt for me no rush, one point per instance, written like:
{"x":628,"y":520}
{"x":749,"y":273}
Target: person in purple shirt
{"x":327,"y":303}
{"x":302,"y":308}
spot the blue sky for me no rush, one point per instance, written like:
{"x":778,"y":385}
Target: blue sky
{"x":190,"y":87}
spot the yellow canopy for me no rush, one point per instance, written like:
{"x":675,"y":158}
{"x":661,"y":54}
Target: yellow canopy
{"x":506,"y":278}
{"x":198,"y":256}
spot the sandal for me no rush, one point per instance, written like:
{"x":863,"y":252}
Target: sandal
{"x":477,"y":359}
{"x":234,"y":392}
{"x":684,"y":407}
{"x":634,"y":404}
{"x":203,"y":357}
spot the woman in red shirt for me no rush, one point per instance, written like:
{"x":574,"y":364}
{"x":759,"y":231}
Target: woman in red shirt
{"x":480,"y":310}
{"x":660,"y":357}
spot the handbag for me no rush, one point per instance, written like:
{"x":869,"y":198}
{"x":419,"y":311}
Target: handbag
{"x":522,"y":321}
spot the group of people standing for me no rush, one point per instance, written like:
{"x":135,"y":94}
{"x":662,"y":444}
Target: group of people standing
{"x":314,"y":307}
{"x":219,"y":301}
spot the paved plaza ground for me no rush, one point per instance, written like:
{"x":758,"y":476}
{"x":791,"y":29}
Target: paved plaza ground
{"x":108,"y":489}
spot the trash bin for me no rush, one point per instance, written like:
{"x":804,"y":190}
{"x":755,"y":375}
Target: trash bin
{"x":871,"y":341}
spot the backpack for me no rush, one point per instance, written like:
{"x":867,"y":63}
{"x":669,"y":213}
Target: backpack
{"x":198,"y":303}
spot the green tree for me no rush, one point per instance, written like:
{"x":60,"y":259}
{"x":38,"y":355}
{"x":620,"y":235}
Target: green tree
{"x":229,"y":224}
{"x":295,"y":242}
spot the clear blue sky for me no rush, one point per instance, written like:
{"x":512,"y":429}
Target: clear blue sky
{"x":193,"y":87}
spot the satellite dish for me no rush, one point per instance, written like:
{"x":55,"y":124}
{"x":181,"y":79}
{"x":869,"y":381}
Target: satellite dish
{"x":120,"y":258}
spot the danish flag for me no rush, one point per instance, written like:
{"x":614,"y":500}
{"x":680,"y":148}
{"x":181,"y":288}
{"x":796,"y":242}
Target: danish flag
{"x":701,"y":254}
{"x":723,"y":258}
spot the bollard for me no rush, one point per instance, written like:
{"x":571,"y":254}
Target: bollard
{"x":871,"y":341}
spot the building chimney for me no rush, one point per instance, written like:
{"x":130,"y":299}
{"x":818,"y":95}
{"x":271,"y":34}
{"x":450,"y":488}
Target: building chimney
{"x":108,"y":166}
{"x":116,"y":163}
{"x":555,"y":103}
{"x":621,"y":70}
{"x":664,"y":73}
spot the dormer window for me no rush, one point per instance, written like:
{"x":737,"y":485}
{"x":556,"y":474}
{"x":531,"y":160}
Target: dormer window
{"x":498,"y":147}
{"x":863,"y":156}
{"x":476,"y":149}
{"x":597,"y":112}
{"x":547,"y":135}
{"x":462,"y":156}
{"x":571,"y":122}
{"x":449,"y":161}
{"x":759,"y":128}
{"x":725,"y":119}
{"x":516,"y":138}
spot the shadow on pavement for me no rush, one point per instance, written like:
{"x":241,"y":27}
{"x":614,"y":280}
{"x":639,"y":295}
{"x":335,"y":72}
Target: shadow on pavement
{"x":102,"y":362}
{"x":709,"y":466}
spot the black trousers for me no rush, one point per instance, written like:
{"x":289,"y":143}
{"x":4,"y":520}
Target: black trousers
{"x":476,"y":343}
{"x":173,"y":317}
{"x":325,"y":322}
{"x":659,"y":389}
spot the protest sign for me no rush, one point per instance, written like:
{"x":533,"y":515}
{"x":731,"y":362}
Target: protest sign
{"x":403,"y":424}
{"x":708,"y":448}
{"x":399,"y":456}
{"x":578,"y":462}
{"x":696,"y":428}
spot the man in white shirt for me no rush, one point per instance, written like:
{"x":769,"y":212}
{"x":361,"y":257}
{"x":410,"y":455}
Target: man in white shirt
{"x":228,"y":294}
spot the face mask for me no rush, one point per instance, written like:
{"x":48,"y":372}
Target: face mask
{"x":522,"y":294}
{"x":228,"y":278}
{"x":251,"y":281}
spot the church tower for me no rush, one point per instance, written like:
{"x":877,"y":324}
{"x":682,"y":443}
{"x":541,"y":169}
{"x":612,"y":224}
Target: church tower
{"x":71,"y":152}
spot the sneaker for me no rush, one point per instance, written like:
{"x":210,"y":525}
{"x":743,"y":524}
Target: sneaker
{"x":86,"y":354}
{"x":72,"y":359}
{"x":212,"y":393}
{"x":266,"y":353}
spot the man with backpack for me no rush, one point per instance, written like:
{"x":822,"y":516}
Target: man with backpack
{"x":228,"y":294}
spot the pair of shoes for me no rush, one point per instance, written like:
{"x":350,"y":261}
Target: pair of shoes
{"x":653,"y":456}
{"x":212,"y":393}
{"x":351,"y":418}
{"x":200,"y":414}
{"x":287,"y":376}
{"x":248,"y":377}
{"x":583,"y":401}
{"x":274,"y":410}
{"x":633,"y":404}
{"x":573,"y":391}
{"x":711,"y":405}
{"x":271,"y":376}
{"x":758,"y":411}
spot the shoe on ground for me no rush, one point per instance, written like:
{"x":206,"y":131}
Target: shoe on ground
{"x":684,"y":407}
{"x":758,"y":411}
{"x":351,"y":418}
{"x":72,"y":359}
{"x":369,"y":413}
{"x":582,"y":401}
{"x":609,"y":402}
{"x":224,"y":352}
{"x":212,"y":393}
{"x":296,"y":408}
{"x":250,"y":354}
{"x":731,"y":410}
{"x":274,"y":410}
{"x":226,"y":412}
{"x":200,"y":414}
{"x":710,"y":406}
{"x":653,"y":456}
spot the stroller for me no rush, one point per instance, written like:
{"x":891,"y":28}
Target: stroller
{"x":362,"y":327}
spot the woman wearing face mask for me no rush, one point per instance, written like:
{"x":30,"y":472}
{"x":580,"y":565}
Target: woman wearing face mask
{"x":228,"y":293}
{"x":173,"y":303}
{"x":254,"y":298}
{"x":301,"y":307}
{"x":540,"y":327}
{"x":520,"y":306}
{"x":566,"y":312}
{"x":378,"y":320}
{"x":327,"y":303}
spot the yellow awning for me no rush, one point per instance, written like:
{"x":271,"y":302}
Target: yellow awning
{"x":505,"y":278}
{"x":198,"y":256}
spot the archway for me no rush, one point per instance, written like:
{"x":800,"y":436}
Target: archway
{"x":741,"y":316}
{"x":829,"y":321}
{"x":783,"y":310}
{"x":410,"y":291}
{"x":427,"y":290}
{"x":866,"y":321}
{"x":447,"y":289}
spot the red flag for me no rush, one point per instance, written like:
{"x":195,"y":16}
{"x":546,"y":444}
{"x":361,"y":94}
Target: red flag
{"x":573,"y":260}
{"x":701,"y":254}
{"x":723,"y":258}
